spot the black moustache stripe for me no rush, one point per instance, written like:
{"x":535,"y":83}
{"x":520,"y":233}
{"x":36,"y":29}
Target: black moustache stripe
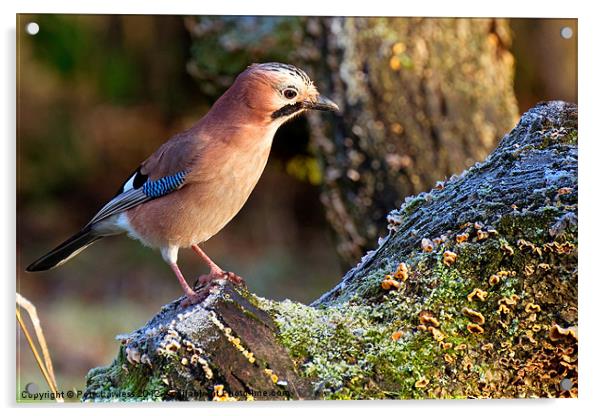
{"x":287,"y":110}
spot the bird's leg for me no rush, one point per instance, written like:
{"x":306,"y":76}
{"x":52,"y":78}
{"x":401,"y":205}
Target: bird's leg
{"x":216,"y":272}
{"x":192,"y":297}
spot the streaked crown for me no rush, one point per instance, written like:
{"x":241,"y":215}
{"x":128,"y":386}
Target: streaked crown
{"x":280,"y":91}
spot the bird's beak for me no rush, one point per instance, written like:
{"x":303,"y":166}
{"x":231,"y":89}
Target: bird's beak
{"x":321,"y":104}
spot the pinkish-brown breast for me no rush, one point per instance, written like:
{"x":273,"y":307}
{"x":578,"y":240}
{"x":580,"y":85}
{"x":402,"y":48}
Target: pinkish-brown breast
{"x":217,"y":187}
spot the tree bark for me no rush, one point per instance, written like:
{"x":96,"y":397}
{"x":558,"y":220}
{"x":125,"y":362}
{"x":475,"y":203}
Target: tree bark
{"x":420,"y":99}
{"x":472,"y":294}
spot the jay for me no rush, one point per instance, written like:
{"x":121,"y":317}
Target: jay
{"x":197,"y":181}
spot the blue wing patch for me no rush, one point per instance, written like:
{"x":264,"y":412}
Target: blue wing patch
{"x":138,"y":190}
{"x":164,"y":185}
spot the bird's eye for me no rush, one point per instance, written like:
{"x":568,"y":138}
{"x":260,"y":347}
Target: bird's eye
{"x":289,"y":93}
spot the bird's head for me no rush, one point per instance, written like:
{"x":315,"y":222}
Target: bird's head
{"x":278,"y":92}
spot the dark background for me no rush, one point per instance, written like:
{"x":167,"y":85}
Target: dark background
{"x":96,"y":96}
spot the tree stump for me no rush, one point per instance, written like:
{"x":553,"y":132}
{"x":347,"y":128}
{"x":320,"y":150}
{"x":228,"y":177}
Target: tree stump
{"x":472,"y":294}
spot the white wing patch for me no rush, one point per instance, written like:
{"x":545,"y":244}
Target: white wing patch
{"x":130,"y":183}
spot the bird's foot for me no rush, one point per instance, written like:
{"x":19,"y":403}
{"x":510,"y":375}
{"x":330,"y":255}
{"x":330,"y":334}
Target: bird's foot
{"x":195,"y":297}
{"x":206,"y":279}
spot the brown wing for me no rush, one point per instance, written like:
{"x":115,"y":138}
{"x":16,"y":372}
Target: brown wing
{"x":175,"y":155}
{"x":162,"y":173}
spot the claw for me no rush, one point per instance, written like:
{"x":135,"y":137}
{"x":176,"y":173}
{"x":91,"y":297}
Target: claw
{"x":206,"y":279}
{"x":216,"y":272}
{"x":198,"y":297}
{"x":234,"y":278}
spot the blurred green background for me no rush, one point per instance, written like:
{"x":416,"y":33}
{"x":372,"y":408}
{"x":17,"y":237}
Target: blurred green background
{"x":96,"y":95}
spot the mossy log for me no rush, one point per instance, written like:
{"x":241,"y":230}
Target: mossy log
{"x":472,"y":294}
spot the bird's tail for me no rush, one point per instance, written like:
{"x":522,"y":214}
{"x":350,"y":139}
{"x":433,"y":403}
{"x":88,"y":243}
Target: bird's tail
{"x":66,"y":251}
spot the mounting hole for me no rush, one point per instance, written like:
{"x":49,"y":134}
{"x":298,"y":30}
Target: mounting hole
{"x":566,"y":32}
{"x":32,"y":28}
{"x":32,"y":388}
{"x":566,"y":384}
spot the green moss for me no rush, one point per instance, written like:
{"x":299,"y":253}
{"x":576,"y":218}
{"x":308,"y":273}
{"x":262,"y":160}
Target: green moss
{"x":571,"y":137}
{"x":122,"y":381}
{"x":532,"y":226}
{"x":349,"y":350}
{"x":412,"y":204}
{"x":555,"y":136}
{"x":349,"y":347}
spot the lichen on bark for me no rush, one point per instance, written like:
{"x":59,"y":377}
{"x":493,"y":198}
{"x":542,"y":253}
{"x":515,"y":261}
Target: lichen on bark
{"x":472,"y":294}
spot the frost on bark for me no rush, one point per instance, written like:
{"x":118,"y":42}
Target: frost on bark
{"x":472,"y":294}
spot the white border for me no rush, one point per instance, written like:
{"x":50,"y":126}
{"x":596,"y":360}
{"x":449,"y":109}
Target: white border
{"x":590,"y":151}
{"x":458,"y":8}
